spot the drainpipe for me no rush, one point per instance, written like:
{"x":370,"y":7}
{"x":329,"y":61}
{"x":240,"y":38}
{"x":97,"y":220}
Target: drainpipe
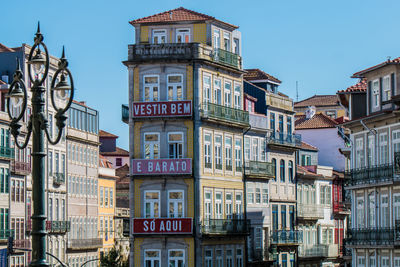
{"x":245,"y":194}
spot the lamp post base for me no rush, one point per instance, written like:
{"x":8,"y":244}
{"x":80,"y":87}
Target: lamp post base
{"x":39,"y":263}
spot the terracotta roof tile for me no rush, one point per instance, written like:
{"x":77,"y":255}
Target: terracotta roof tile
{"x":308,"y":170}
{"x":361,"y":73}
{"x":307,"y":146}
{"x":318,"y":101}
{"x":4,"y":48}
{"x":103,"y":133}
{"x":317,"y":121}
{"x":118,"y":152}
{"x":257,"y":74}
{"x":359,"y":87}
{"x":177,"y":15}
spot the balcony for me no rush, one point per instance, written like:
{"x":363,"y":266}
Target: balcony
{"x":125,"y":113}
{"x":286,"y":237}
{"x":258,"y":169}
{"x":371,"y":175}
{"x":169,"y":167}
{"x":6,"y":152}
{"x":226,"y":227}
{"x":183,"y":52}
{"x":89,"y":243}
{"x":5,"y":234}
{"x":58,"y":227}
{"x":58,"y":178}
{"x":371,"y":237}
{"x":341,"y":207}
{"x":222,"y":114}
{"x":284,"y":139}
{"x":318,"y":250}
{"x":310,"y":212}
{"x":19,"y":167}
{"x":22,"y":244}
{"x":278,"y":101}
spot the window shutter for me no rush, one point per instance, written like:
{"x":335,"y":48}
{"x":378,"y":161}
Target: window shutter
{"x":380,"y":92}
{"x":370,"y":96}
{"x":392,"y":84}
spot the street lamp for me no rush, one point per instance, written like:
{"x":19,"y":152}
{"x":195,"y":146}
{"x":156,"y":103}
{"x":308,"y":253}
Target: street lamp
{"x":38,"y":68}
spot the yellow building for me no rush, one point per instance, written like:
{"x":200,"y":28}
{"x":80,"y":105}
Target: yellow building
{"x":186,"y":124}
{"x":107,"y":203}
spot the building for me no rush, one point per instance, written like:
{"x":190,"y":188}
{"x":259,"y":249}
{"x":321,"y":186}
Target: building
{"x":107,"y":204}
{"x":275,"y":122}
{"x":186,"y":122}
{"x":328,"y":105}
{"x":108,"y":149}
{"x":373,"y":177}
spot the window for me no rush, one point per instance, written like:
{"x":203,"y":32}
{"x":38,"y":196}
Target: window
{"x":217,"y":38}
{"x":152,"y":258}
{"x":228,"y":205}
{"x":228,"y":153}
{"x":57,"y":162}
{"x":238,"y":205}
{"x":151,"y":204}
{"x":325,"y":194}
{"x":331,"y":114}
{"x":50,"y":162}
{"x":284,"y":260}
{"x":291,"y":176}
{"x":159,"y":36}
{"x":305,"y":160}
{"x":397,"y":262}
{"x":371,"y":150}
{"x":237,"y":94}
{"x":274,"y":167}
{"x":175,"y":204}
{"x":151,"y":85}
{"x":385,"y":262}
{"x":175,"y":145}
{"x":238,"y":154}
{"x":384,"y":211}
{"x":227,"y":41}
{"x":229,"y":258}
{"x":239,"y":257}
{"x":151,"y":145}
{"x":283,"y":216}
{"x":383,"y":148}
{"x":375,"y":93}
{"x":396,"y":205}
{"x":218,"y":205}
{"x":258,"y":195}
{"x":219,"y":258}
{"x":208,"y":259}
{"x":265,"y":195}
{"x":289,"y":125}
{"x":206,"y":88}
{"x":359,"y":153}
{"x":101,"y":196}
{"x":372,"y":261}
{"x":235,"y":46}
{"x":207,"y":205}
{"x":175,"y":91}
{"x":258,"y":237}
{"x":254,"y":147}
{"x":111,"y":197}
{"x":182,"y":36}
{"x":217,"y":91}
{"x":106,"y":197}
{"x":50,"y":215}
{"x":218,"y":152}
{"x":118,"y":162}
{"x":360,"y":212}
{"x":282,"y":171}
{"x":386,"y":88}
{"x":371,"y":210}
{"x":228,"y":93}
{"x":207,"y":150}
{"x":263,"y":150}
{"x":176,"y":258}
{"x":396,"y":141}
{"x":250,"y":196}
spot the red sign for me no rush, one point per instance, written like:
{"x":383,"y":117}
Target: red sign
{"x":162,"y":109}
{"x":161,"y":166}
{"x":162,"y":226}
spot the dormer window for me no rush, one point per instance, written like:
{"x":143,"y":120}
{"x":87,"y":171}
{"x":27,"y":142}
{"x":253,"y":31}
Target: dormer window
{"x":217,"y":39}
{"x":159,"y":36}
{"x":386,"y":88}
{"x":227,"y":41}
{"x":375,"y":93}
{"x":183,"y":35}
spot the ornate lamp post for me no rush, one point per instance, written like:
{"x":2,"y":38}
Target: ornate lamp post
{"x":61,"y":94}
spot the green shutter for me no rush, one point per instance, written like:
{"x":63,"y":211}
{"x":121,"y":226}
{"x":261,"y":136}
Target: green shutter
{"x":7,"y":141}
{"x":7,"y":228}
{"x":2,"y":224}
{"x":7,"y":180}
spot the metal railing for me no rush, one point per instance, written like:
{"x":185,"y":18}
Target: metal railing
{"x":227,"y":114}
{"x":22,"y":243}
{"x":318,"y":250}
{"x":313,"y":211}
{"x":125,"y":113}
{"x":58,"y":178}
{"x":259,"y":168}
{"x":370,"y":175}
{"x":6,"y":152}
{"x":286,"y":237}
{"x":226,"y":226}
{"x":20,"y":167}
{"x":56,"y":227}
{"x":284,"y":139}
{"x":90,"y":243}
{"x":6,"y":233}
{"x":227,"y":58}
{"x":371,"y":236}
{"x":340,"y":206}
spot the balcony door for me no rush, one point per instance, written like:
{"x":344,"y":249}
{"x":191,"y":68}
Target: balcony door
{"x":218,"y":205}
{"x":183,"y":35}
{"x":175,"y":145}
{"x":384,"y":211}
{"x":159,"y":36}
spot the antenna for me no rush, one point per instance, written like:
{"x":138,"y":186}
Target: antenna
{"x":297,"y":91}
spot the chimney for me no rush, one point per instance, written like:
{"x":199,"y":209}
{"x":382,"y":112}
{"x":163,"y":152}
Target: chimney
{"x":310,"y":112}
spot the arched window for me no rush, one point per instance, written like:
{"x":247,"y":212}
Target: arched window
{"x":291,"y":176}
{"x":274,"y":166}
{"x":282,"y":170}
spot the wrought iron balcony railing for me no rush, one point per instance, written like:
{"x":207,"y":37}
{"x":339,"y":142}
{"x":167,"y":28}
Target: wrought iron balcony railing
{"x":125,"y":113}
{"x":225,"y":114}
{"x":278,"y":138}
{"x":286,"y":237}
{"x":58,"y":227}
{"x":22,"y":244}
{"x":6,"y":152}
{"x":6,"y":233}
{"x":259,"y":169}
{"x":313,"y":211}
{"x":226,"y":227}
{"x":20,"y":167}
{"x":370,"y":175}
{"x":90,"y":243}
{"x":318,"y":250}
{"x":227,"y":58}
{"x":58,"y":178}
{"x":371,"y":236}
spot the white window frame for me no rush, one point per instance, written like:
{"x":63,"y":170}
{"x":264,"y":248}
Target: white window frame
{"x":227,"y":93}
{"x":176,"y":144}
{"x":384,"y":208}
{"x":239,"y":204}
{"x":176,"y":259}
{"x":152,"y":204}
{"x":151,"y":146}
{"x":208,"y":205}
{"x":228,"y":152}
{"x":360,"y":212}
{"x":219,"y":259}
{"x":238,"y":154}
{"x":217,"y":38}
{"x":208,"y":158}
{"x":228,"y":205}
{"x":386,"y":88}
{"x":182,"y":32}
{"x":375,"y":93}
{"x":207,"y":88}
{"x":396,"y":207}
{"x":227,"y":36}
{"x":385,"y":259}
{"x":208,"y":259}
{"x":239,"y":257}
{"x":175,"y":86}
{"x":219,"y":207}
{"x":151,"y":88}
{"x":159,"y":34}
{"x":176,"y":203}
{"x":371,"y":150}
{"x":383,"y":148}
{"x":359,"y":160}
{"x":255,"y":151}
{"x":258,"y":237}
{"x":371,"y":210}
{"x":218,"y":151}
{"x":237,"y":87}
{"x":396,"y":141}
{"x":217,"y":92}
{"x":152,"y":259}
{"x":229,"y":257}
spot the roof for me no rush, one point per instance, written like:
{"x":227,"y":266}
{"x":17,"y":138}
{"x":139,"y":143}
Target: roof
{"x":177,"y":15}
{"x":118,"y":152}
{"x":104,"y":163}
{"x":103,"y":133}
{"x":318,"y":121}
{"x":250,"y":97}
{"x":306,"y":146}
{"x":257,"y":74}
{"x":361,"y":73}
{"x":308,"y":171}
{"x":1,"y":82}
{"x":359,"y":87}
{"x":4,"y":48}
{"x":318,"y":101}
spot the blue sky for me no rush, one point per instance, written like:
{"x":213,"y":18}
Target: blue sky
{"x":318,"y":43}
